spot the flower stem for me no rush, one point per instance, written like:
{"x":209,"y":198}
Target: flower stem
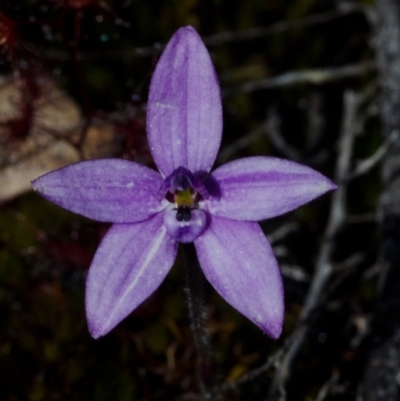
{"x":194,"y":291}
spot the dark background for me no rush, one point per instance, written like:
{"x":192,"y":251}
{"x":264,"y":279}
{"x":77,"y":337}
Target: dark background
{"x":102,"y":56}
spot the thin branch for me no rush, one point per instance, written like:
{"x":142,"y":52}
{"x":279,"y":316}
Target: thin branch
{"x":278,"y":140}
{"x":316,"y":120}
{"x":324,"y":391}
{"x":281,"y":26}
{"x":315,"y":77}
{"x":282,"y":232}
{"x":213,"y":40}
{"x":242,"y":143}
{"x":294,"y":272}
{"x":271,"y":128}
{"x":337,"y":218}
{"x":272,"y":361}
{"x":337,"y":215}
{"x":364,"y":166}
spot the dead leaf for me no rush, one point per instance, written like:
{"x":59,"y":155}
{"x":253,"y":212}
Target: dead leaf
{"x":54,"y":125}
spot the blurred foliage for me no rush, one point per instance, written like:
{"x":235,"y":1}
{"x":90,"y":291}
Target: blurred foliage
{"x":98,"y":53}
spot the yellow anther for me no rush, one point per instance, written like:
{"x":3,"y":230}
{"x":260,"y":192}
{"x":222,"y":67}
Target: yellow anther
{"x":184,"y":198}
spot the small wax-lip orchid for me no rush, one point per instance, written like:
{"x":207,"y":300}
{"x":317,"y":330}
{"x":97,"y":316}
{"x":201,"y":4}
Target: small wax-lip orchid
{"x":152,"y":212}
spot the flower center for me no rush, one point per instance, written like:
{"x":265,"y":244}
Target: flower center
{"x":182,"y":193}
{"x":185,"y":201}
{"x":185,"y":197}
{"x":184,"y":220}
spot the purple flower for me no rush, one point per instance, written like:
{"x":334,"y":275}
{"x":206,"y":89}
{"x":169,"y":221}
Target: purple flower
{"x":185,"y":202}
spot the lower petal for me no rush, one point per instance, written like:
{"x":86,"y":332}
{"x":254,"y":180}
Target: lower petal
{"x":238,"y":261}
{"x":129,"y":265}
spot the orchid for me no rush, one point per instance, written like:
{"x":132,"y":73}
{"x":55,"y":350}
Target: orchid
{"x":184,"y":202}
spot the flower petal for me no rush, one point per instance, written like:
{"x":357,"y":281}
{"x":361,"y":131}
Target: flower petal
{"x":184,"y":117}
{"x":129,"y":265}
{"x":238,"y":261}
{"x":110,"y":190}
{"x":258,"y":188}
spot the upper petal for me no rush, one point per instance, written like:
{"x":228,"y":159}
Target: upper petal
{"x":184,"y":116}
{"x":129,"y":265}
{"x":258,"y":188}
{"x":238,"y":261}
{"x":110,"y":190}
